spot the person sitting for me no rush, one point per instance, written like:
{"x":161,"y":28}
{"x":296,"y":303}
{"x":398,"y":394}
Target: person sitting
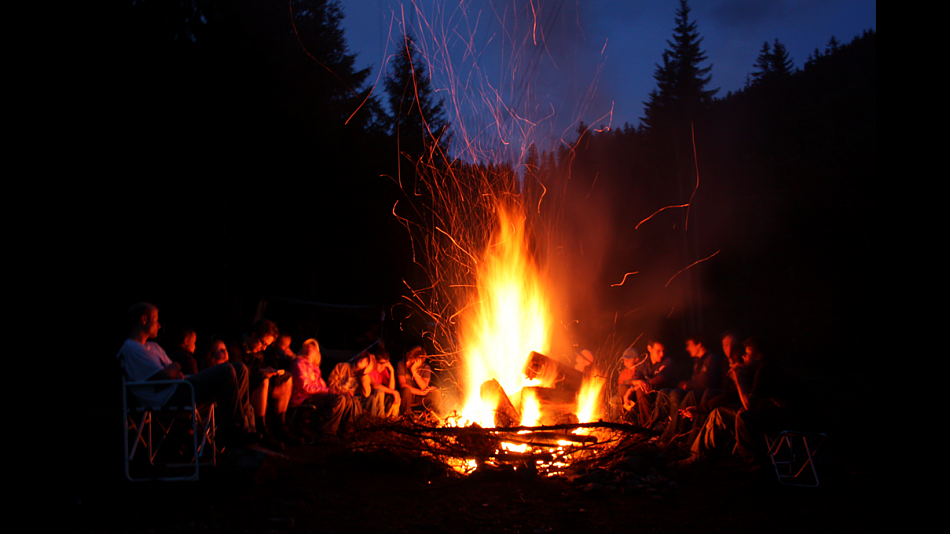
{"x":270,"y":388}
{"x":279,"y":355}
{"x":715,"y":419}
{"x":732,"y":348}
{"x":649,"y":376}
{"x":226,"y":385}
{"x":415,"y":381}
{"x":776,"y":401}
{"x":707,"y":373}
{"x":383,"y":381}
{"x":620,"y":404}
{"x":182,"y":349}
{"x":214,"y":353}
{"x":309,"y":389}
{"x":352,"y":378}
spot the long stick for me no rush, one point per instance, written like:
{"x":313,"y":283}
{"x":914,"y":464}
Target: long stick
{"x":479,"y":430}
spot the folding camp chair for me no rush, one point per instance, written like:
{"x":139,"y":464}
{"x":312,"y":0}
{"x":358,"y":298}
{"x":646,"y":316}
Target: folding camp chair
{"x":793,"y":455}
{"x":148,"y":428}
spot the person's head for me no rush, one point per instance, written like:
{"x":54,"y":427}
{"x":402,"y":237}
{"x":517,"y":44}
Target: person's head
{"x":311,"y":351}
{"x":283,"y":344}
{"x":695,"y":347}
{"x":185,"y":338}
{"x":630,"y":357}
{"x":262,"y":334}
{"x":656,"y":350}
{"x":730,"y":345}
{"x":415,"y":351}
{"x":215,"y":352}
{"x":753,"y":351}
{"x":583,"y":360}
{"x":142,"y":319}
{"x":364,"y":361}
{"x":382,"y":356}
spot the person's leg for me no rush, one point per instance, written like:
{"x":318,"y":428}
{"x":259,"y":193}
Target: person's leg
{"x":280,"y":400}
{"x":225,"y":385}
{"x":646,"y":402}
{"x":433,"y":402}
{"x":259,"y":403}
{"x":406,"y":397}
{"x":220,"y":385}
{"x":667,"y":405}
{"x":717,"y":433}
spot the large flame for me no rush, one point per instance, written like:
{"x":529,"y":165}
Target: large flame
{"x":508,"y":318}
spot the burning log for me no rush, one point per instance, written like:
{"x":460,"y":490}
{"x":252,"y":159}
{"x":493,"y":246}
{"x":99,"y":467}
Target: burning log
{"x":549,"y":438}
{"x":495,"y":397}
{"x":555,"y":405}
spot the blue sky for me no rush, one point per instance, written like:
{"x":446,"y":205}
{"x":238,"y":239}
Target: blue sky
{"x":531,"y":69}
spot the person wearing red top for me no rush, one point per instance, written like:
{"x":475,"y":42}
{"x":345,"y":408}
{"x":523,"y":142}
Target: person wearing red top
{"x":309,"y":388}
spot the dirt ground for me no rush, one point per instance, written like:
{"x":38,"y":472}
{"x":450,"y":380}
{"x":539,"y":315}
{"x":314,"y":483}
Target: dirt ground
{"x":328,"y":488}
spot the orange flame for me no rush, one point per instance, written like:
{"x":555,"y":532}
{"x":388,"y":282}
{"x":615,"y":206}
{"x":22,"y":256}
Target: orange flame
{"x":509,"y":317}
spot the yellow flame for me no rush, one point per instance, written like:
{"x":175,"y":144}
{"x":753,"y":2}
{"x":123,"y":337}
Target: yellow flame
{"x":508,"y":318}
{"x":589,"y":405}
{"x":530,"y":408}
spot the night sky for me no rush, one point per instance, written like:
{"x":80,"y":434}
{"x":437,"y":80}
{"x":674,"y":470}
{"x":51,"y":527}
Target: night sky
{"x":599,"y":56}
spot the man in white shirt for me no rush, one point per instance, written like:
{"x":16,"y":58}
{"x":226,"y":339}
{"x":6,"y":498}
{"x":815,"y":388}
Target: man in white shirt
{"x":225,"y":385}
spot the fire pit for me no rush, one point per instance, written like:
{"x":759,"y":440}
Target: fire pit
{"x":549,"y":450}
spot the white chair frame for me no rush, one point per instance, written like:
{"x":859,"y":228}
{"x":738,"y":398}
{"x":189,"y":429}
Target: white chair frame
{"x":141,"y":421}
{"x":792,"y":453}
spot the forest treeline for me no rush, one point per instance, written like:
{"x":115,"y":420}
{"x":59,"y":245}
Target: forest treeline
{"x":272,"y":165}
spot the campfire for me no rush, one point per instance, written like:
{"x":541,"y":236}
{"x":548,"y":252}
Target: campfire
{"x":519,"y":406}
{"x":486,"y":239}
{"x":504,"y":331}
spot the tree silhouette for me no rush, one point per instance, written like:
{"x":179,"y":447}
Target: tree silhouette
{"x":681,"y":94}
{"x":418,"y":121}
{"x":772,"y":64}
{"x":330,"y":85}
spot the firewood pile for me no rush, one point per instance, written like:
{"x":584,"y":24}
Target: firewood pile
{"x":592,"y":456}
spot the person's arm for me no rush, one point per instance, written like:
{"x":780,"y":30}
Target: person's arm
{"x":268,"y":372}
{"x":391,"y":386}
{"x":408,"y":380}
{"x":641,"y":385}
{"x":366,"y":384}
{"x":627,"y":401}
{"x":392,"y":376}
{"x":421,"y":379}
{"x":665,"y":375}
{"x":169,"y":372}
{"x":743,"y":394}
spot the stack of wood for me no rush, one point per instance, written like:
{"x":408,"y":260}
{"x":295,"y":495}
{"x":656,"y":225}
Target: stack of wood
{"x":558,"y":403}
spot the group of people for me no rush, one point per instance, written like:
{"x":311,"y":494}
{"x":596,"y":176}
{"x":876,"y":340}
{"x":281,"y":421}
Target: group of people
{"x":255,"y":378}
{"x":730,"y":400}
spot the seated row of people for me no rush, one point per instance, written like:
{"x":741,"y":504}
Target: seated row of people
{"x":730,"y":399}
{"x":261,"y":378}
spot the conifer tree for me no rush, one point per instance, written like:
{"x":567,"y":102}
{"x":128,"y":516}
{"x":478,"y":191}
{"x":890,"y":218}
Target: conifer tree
{"x":832,"y":46}
{"x":418,"y":120}
{"x":782,"y":64}
{"x":334,"y":84}
{"x":773,"y":63}
{"x":681,"y":94}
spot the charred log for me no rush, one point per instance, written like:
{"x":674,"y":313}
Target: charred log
{"x":494,"y":396}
